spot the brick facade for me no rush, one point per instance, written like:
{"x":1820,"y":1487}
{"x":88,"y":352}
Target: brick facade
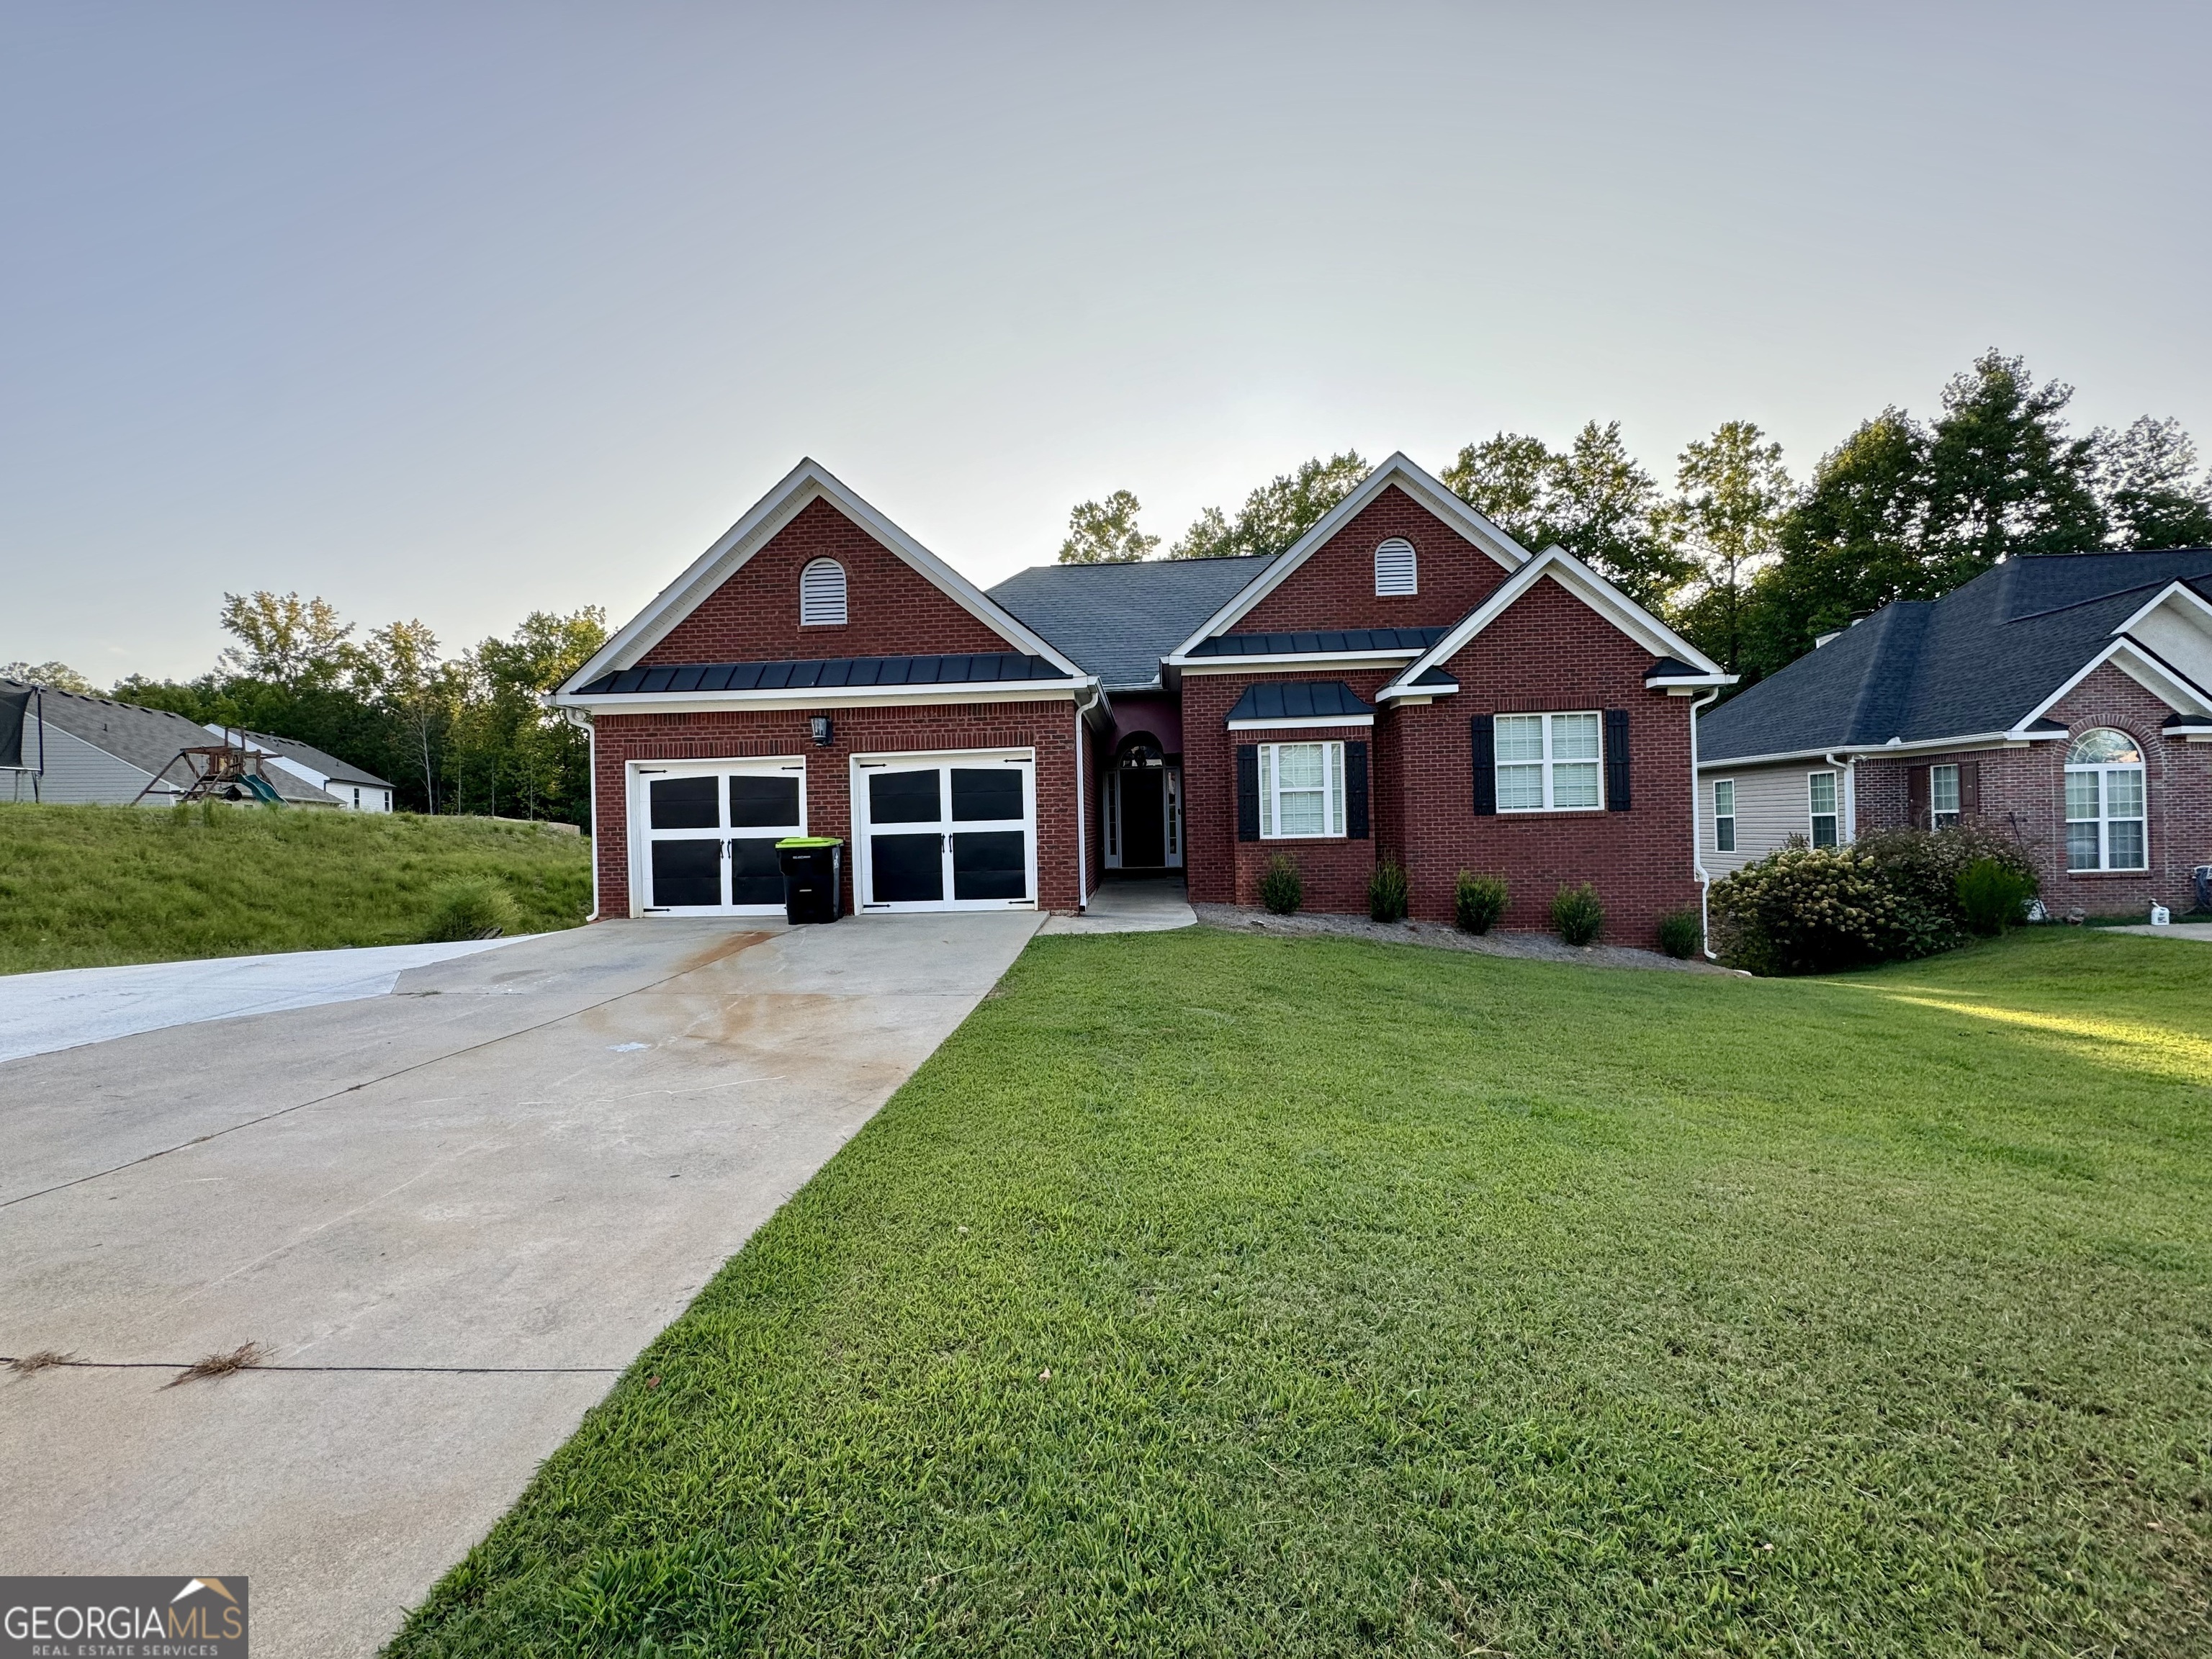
{"x":1335,"y":586}
{"x":1047,"y":726}
{"x":892,"y":609}
{"x":2023,"y":792}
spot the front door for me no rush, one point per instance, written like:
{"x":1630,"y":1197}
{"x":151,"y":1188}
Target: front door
{"x":1144,"y":819}
{"x":945,"y":832}
{"x":708,"y":834}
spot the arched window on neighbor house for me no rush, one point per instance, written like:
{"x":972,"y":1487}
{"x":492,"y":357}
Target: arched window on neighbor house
{"x":821,"y":594}
{"x":1395,"y":571}
{"x":2108,"y":822}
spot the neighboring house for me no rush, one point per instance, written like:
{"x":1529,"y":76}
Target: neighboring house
{"x":355,"y":788}
{"x":2066,"y":701}
{"x":1405,"y":682}
{"x":79,"y":750}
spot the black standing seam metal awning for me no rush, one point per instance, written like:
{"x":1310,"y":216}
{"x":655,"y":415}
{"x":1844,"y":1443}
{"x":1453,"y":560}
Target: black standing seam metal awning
{"x":1327,"y":641}
{"x":1289,"y":700}
{"x":824,"y":673}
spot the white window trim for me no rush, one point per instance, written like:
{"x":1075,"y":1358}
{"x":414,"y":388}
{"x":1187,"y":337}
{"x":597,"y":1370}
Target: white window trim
{"x":1412,"y":568}
{"x":2105,"y":818}
{"x":1549,"y":761}
{"x":1720,"y":784}
{"x":1812,"y":818}
{"x":1331,"y":792}
{"x":807,"y":600}
{"x":1936,"y":815}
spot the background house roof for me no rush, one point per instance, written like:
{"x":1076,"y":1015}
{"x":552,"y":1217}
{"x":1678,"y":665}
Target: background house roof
{"x":982,"y":668}
{"x":318,"y":760}
{"x":1979,"y":660}
{"x":150,"y":739}
{"x":1119,"y":620}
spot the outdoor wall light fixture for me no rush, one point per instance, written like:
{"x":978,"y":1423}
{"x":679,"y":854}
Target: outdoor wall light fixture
{"x":819,"y":725}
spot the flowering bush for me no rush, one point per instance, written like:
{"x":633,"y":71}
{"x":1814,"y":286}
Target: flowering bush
{"x":1814,"y":910}
{"x":1926,"y":865}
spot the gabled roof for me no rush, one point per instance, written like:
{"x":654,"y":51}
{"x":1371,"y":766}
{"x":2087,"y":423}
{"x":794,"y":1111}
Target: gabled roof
{"x":1429,"y":491}
{"x":1119,"y":620}
{"x":307,"y":755}
{"x":976,"y":668}
{"x":1559,"y":565}
{"x":1986,"y":660}
{"x":805,"y":484}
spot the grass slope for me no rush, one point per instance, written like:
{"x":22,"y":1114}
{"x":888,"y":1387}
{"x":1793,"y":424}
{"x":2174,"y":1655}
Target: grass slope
{"x":86,"y":886}
{"x":1216,"y":1295}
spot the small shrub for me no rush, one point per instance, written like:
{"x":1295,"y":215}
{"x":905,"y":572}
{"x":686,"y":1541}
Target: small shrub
{"x":1478,"y":901}
{"x":477,"y":907}
{"x":1387,"y":891}
{"x":1576,"y":913}
{"x":1993,"y":895}
{"x":1815,"y":910}
{"x":1680,"y":934}
{"x":1282,"y":889}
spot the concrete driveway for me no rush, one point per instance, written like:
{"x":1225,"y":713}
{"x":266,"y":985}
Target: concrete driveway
{"x":450,"y":1215}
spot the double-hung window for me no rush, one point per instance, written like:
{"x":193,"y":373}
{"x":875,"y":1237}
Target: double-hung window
{"x":1943,"y":796}
{"x":1725,"y":816}
{"x":1821,"y":790}
{"x":1549,"y":763}
{"x":1301,"y":791}
{"x":2107,"y":826}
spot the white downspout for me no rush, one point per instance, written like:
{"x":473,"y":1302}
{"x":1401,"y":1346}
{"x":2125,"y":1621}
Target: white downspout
{"x":1847,"y":805}
{"x":1697,"y":832}
{"x":1082,"y":792}
{"x":578,"y":717}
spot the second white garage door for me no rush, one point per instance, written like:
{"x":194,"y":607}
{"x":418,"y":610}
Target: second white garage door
{"x":951,"y":831}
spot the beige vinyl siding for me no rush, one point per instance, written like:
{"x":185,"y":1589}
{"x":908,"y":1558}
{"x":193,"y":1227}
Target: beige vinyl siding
{"x":1773,"y":803}
{"x":78,"y":773}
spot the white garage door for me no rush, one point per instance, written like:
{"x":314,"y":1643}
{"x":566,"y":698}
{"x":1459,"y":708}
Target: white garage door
{"x":704,"y":834}
{"x":946,"y":832}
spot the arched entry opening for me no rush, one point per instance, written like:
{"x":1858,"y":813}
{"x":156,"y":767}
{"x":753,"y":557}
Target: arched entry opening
{"x":1144,"y":807}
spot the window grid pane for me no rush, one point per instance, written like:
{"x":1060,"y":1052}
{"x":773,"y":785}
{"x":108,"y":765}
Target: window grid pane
{"x":1519,"y":738}
{"x":1823,"y":793}
{"x":1520,"y":788}
{"x":2080,"y":795}
{"x":1575,"y":783}
{"x":2123,"y":793}
{"x":2124,"y":838}
{"x":1574,"y":737}
{"x":1824,"y":830}
{"x":2081,"y":846}
{"x":1724,"y":801}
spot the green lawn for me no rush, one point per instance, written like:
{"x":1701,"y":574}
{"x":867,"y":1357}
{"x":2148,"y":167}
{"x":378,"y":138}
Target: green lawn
{"x":86,"y":886}
{"x":1208,"y":1294}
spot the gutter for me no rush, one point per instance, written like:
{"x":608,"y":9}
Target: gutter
{"x":1697,"y":836}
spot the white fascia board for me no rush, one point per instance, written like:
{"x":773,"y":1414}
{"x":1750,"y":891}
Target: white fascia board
{"x":1877,"y":751}
{"x":1429,"y":492}
{"x":1311,"y":722}
{"x":1586,"y":584}
{"x":1290,"y":659}
{"x":2188,"y":598}
{"x":2144,"y":666}
{"x":1398,"y":690}
{"x":1655,"y":681}
{"x":827,"y":697}
{"x":805,"y":484}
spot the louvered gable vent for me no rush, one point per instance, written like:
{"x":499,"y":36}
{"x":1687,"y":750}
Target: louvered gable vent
{"x":1394,"y":570}
{"x":821,"y":594}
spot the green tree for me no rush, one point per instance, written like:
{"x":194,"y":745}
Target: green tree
{"x":2148,"y":484}
{"x":1590,"y":498}
{"x":1734,"y":490}
{"x":55,"y":675}
{"x":285,"y":640}
{"x":2004,"y":478}
{"x":1105,"y":532}
{"x":1278,"y":513}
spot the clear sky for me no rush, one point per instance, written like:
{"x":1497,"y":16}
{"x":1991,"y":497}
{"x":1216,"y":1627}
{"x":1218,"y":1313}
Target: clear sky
{"x":459,"y":311}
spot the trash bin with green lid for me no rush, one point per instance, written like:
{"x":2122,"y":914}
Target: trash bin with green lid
{"x":811,"y":867}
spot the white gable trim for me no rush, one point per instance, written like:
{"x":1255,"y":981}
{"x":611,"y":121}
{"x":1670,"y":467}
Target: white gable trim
{"x":1586,"y":584}
{"x":2191,"y":598}
{"x":803,"y":485}
{"x":1427,"y":491}
{"x":2146,"y":668}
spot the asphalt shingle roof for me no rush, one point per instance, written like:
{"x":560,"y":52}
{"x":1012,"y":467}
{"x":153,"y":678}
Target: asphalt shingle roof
{"x":815,"y":674}
{"x":1976,"y":660}
{"x":151,"y":739}
{"x":320,"y":760}
{"x":1119,"y":620}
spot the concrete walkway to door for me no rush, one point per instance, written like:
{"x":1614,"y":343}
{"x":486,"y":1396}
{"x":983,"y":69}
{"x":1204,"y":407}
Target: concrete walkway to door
{"x":448,"y":1216}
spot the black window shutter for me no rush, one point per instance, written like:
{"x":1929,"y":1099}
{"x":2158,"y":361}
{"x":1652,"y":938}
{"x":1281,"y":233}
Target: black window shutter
{"x":1248,"y":792}
{"x":1616,"y":760}
{"x":1970,"y":789}
{"x":1355,"y":792}
{"x":1917,"y":796}
{"x":1485,"y":766}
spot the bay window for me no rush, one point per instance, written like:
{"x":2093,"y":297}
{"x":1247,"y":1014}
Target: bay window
{"x":1301,"y":791}
{"x":1548,"y":763}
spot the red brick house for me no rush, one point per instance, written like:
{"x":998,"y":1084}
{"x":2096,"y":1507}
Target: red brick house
{"x":2065,"y":700}
{"x":1405,"y":682}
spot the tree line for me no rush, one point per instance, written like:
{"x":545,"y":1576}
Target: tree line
{"x":460,"y":734}
{"x":1746,"y":563}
